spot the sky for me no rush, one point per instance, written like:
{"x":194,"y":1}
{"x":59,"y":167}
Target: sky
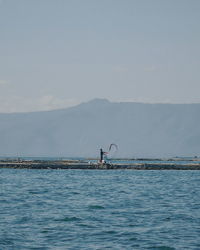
{"x":58,"y":53}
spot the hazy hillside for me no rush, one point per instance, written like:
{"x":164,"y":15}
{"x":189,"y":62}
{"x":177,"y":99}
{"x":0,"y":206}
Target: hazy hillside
{"x":140,"y":130}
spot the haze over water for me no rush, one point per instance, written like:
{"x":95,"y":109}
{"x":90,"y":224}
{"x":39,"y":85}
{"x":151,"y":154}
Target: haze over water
{"x":76,"y":209}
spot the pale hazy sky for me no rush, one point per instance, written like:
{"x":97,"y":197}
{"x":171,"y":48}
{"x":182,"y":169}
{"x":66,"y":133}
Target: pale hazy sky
{"x":57,"y":53}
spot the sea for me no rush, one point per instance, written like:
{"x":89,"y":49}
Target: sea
{"x":99,"y":209}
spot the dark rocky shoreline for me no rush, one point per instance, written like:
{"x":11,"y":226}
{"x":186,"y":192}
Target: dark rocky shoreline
{"x":67,"y":164}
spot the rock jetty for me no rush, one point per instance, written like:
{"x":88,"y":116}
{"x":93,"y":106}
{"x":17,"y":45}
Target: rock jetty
{"x":67,"y":164}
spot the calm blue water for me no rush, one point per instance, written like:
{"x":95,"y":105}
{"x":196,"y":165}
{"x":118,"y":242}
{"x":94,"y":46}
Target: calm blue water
{"x":99,"y":209}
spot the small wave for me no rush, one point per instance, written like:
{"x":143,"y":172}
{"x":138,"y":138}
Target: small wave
{"x":133,"y":239}
{"x":167,"y":219}
{"x":69,"y":219}
{"x":86,"y":225}
{"x":75,"y":193}
{"x":162,"y":248}
{"x":110,"y":232}
{"x":96,"y":207}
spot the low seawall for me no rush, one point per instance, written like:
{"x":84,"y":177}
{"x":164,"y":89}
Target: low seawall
{"x":82,"y":165}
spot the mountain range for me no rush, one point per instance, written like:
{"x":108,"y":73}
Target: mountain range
{"x":139,"y":130}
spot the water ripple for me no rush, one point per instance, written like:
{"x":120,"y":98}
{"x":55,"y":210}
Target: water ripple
{"x":75,"y":209}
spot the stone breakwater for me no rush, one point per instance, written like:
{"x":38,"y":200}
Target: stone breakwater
{"x":35,"y":164}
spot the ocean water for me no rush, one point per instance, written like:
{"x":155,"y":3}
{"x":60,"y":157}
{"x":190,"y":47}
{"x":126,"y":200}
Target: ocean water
{"x":99,"y":209}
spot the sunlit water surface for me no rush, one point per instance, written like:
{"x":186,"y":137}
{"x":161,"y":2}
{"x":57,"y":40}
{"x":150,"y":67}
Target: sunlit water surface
{"x":99,"y":209}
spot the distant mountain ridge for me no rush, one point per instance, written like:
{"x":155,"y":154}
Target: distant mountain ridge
{"x":140,"y":130}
